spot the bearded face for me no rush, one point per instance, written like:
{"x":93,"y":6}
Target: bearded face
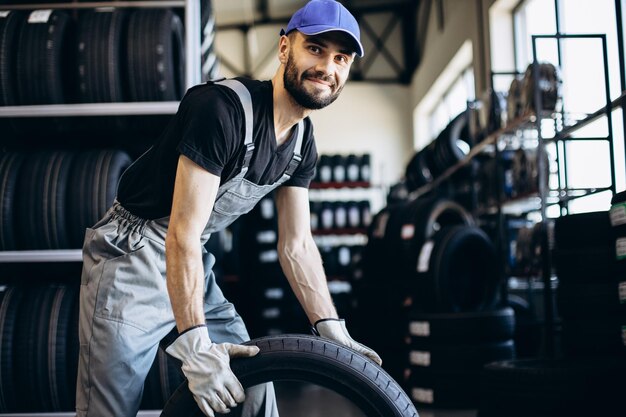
{"x":305,"y":93}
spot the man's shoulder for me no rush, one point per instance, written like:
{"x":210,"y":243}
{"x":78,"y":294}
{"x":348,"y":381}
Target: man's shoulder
{"x":213,"y":96}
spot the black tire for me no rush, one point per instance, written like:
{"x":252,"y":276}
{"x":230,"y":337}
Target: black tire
{"x":447,"y":149}
{"x":9,"y":31}
{"x":587,"y":265}
{"x":591,"y":300}
{"x":567,"y":387}
{"x":417,"y":222}
{"x":155,"y":59}
{"x":474,"y":327}
{"x":151,"y":396}
{"x":99,"y":56}
{"x":449,"y":357}
{"x":10,"y":305}
{"x":10,"y":170}
{"x":311,"y":359}
{"x":42,"y":205}
{"x":605,"y":336}
{"x":584,"y":230}
{"x":417,"y":171}
{"x":30,"y":353}
{"x":170,"y":376}
{"x":61,"y":381}
{"x":457,"y":272}
{"x":93,"y":186}
{"x":41,"y":60}
{"x":444,"y":389}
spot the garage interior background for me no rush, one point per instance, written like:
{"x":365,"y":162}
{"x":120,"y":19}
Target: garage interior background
{"x":435,"y":71}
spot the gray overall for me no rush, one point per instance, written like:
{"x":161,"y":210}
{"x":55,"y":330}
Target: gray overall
{"x":125,"y":309}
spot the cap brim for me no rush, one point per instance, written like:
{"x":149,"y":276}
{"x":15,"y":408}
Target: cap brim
{"x":317,"y":29}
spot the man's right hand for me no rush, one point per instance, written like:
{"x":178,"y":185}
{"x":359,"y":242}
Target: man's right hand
{"x":207,"y":368}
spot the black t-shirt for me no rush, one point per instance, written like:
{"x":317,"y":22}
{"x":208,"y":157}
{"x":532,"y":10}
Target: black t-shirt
{"x":209,"y":129}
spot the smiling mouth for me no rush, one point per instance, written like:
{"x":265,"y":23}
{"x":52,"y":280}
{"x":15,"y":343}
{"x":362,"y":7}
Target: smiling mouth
{"x":320,"y":82}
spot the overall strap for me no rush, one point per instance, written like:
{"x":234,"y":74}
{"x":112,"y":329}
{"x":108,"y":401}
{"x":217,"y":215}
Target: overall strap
{"x":297,"y":151}
{"x":246,"y":101}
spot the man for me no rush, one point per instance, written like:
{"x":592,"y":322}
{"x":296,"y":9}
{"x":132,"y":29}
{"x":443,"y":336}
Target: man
{"x":231,"y":143}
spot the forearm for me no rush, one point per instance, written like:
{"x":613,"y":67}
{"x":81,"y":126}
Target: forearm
{"x":185,"y":282}
{"x":302,"y":265}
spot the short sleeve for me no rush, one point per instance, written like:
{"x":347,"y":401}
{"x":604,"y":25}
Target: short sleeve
{"x":306,"y":170}
{"x":210,"y":125}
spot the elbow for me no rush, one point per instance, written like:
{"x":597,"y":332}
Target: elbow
{"x":294,"y":250}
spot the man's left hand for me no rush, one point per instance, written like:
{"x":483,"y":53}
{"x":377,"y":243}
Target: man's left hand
{"x":335,"y":329}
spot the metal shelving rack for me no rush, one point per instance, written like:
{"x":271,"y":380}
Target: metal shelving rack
{"x":192,"y":59}
{"x":192,"y":77}
{"x":545,"y":197}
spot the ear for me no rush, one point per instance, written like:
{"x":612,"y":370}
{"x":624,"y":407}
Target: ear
{"x":284,"y":44}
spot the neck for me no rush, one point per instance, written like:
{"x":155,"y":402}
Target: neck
{"x":287,"y":112}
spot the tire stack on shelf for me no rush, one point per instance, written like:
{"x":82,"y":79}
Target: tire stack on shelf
{"x":50,"y":197}
{"x":272,"y":307}
{"x":523,"y":266}
{"x":337,"y":170}
{"x":588,"y":298}
{"x":104,"y":55}
{"x":426,"y":259}
{"x":38,"y":347}
{"x":587,"y":379}
{"x":338,"y":221}
{"x":450,"y":147}
{"x":458,"y":283}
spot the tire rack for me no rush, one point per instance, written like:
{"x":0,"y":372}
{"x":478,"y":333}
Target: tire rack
{"x":563,"y":194}
{"x":192,"y":59}
{"x":192,"y":77}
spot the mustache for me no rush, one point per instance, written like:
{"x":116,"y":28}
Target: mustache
{"x":320,"y":76}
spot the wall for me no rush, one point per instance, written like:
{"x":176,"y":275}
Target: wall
{"x":369,"y":118}
{"x":463,"y":20}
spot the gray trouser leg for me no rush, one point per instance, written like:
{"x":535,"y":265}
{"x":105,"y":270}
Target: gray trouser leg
{"x":225,"y":325}
{"x":124,"y":313}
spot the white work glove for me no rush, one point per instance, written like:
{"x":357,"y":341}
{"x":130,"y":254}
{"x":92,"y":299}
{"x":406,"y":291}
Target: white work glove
{"x":207,"y":368}
{"x":335,"y":329}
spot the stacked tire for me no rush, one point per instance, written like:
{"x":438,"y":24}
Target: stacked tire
{"x":450,"y":147}
{"x":272,"y":308}
{"x":50,"y":197}
{"x":338,"y":170}
{"x":449,"y":350}
{"x":39,"y":352}
{"x":424,"y":257}
{"x":38,"y":347}
{"x":590,"y":299}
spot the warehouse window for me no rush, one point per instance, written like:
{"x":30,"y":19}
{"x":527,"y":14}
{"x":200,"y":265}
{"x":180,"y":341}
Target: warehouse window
{"x":583,"y":88}
{"x":453,"y":102}
{"x":446,"y":98}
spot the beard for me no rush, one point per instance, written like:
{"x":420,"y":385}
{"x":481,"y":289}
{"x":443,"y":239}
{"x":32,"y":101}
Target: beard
{"x":295,"y":86}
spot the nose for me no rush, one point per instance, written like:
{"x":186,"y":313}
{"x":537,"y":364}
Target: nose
{"x":326,"y":65}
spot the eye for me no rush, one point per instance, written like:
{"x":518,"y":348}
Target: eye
{"x":315,"y":49}
{"x":342,"y":58}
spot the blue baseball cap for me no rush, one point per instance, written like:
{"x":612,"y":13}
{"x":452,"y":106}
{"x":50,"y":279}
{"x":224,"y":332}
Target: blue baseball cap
{"x":319,"y":16}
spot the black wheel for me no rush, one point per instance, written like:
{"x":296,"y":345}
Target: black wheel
{"x":10,"y":304}
{"x":565,"y":387}
{"x":92,"y":188}
{"x":9,"y":30}
{"x":10,"y":166}
{"x":155,"y":58}
{"x":316,"y":360}
{"x":456,"y":272}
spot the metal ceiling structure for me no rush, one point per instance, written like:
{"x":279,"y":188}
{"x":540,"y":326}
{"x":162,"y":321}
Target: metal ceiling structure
{"x":388,"y":33}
